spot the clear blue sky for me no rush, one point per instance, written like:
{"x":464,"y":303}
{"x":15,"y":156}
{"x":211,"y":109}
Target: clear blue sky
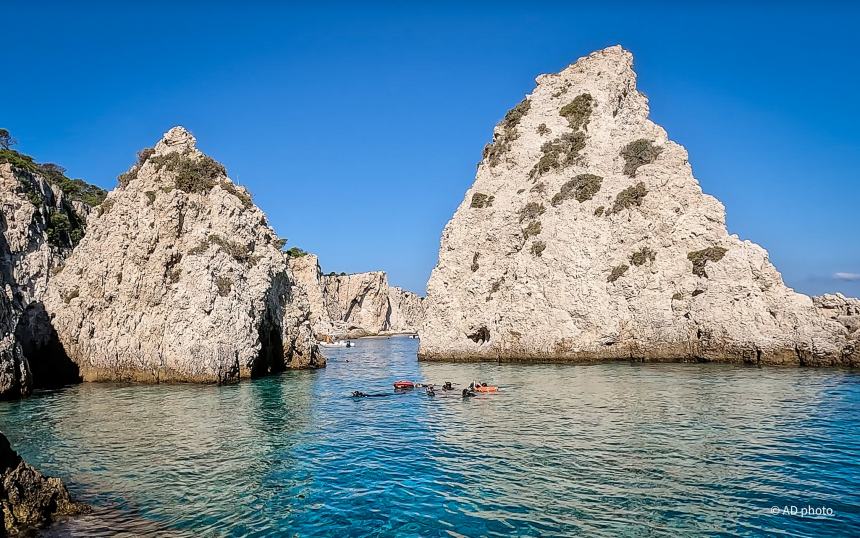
{"x":357,"y":129}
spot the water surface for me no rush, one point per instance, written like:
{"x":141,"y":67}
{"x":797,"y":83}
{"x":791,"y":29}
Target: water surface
{"x":594,"y":450}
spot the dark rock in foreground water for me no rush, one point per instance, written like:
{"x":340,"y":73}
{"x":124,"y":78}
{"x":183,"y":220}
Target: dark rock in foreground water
{"x":28,"y":499}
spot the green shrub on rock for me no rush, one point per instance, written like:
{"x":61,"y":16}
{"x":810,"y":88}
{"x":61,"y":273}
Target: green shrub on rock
{"x":502,"y":138}
{"x":578,"y":111}
{"x":643,"y":256}
{"x":702,"y":257}
{"x":558,"y":154}
{"x":638,"y":153}
{"x":583,"y":187}
{"x":537,"y":248}
{"x":533,"y":229}
{"x":296,"y":252}
{"x":480,"y":200}
{"x":629,"y":197}
{"x":617,"y":272}
{"x":532,"y":210}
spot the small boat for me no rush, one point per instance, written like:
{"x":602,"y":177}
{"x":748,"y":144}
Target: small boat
{"x":336,"y":344}
{"x":403,"y":385}
{"x":486,"y":388}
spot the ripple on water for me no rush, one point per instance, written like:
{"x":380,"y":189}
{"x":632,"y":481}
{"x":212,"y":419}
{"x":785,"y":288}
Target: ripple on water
{"x":597,"y":450}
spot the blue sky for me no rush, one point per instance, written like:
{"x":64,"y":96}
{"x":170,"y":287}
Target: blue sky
{"x":357,"y":129}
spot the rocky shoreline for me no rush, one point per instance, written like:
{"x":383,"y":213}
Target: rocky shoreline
{"x":28,"y":499}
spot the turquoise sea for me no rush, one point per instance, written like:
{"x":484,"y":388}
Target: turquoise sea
{"x":621,"y":449}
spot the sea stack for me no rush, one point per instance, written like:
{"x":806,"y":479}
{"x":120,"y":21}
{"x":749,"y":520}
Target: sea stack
{"x":179,"y":278}
{"x":586,"y":237}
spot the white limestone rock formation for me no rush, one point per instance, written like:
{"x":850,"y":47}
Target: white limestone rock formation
{"x":845,"y":310}
{"x":179,"y":278}
{"x":585,"y":237}
{"x":406,"y":310}
{"x":354,"y":305}
{"x":39,"y":225}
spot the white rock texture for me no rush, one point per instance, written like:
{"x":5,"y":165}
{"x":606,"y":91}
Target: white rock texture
{"x":355,"y":305}
{"x":565,"y":249}
{"x":845,"y":310}
{"x":178,"y":279}
{"x":32,"y":247}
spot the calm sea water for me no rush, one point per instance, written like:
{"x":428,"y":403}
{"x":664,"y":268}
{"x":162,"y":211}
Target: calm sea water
{"x":598,"y":450}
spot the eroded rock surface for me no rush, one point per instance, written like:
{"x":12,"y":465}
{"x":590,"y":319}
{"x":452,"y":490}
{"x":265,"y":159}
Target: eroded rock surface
{"x":585,"y":236}
{"x":179,"y":278}
{"x":845,"y":310}
{"x":355,"y":305}
{"x":28,"y":499}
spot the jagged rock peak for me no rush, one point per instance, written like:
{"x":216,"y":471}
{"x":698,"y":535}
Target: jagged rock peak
{"x":177,"y":138}
{"x":585,"y":236}
{"x":180,"y":278}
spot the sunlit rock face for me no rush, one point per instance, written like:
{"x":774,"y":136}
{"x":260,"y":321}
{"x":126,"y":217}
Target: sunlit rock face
{"x":39,"y":226}
{"x":355,"y":305}
{"x":179,"y":278}
{"x":585,"y":236}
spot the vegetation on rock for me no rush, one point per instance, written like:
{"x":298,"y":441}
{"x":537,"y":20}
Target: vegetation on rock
{"x":558,"y":153}
{"x":74,"y":189}
{"x":480,"y":200}
{"x":296,"y":252}
{"x":532,"y":210}
{"x":582,"y":187}
{"x":643,"y":256}
{"x":629,"y":197}
{"x":702,"y":257}
{"x":638,"y":153}
{"x":537,"y":248}
{"x":475,"y":265}
{"x":542,"y":129}
{"x":578,"y":111}
{"x":533,"y":229}
{"x":502,"y":138}
{"x":617,"y":272}
{"x":599,"y":211}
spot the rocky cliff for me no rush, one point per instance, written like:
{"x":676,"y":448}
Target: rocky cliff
{"x":354,"y":305}
{"x":179,"y":278}
{"x":29,"y":500}
{"x":845,"y":310}
{"x":585,"y":236}
{"x":42,"y":216}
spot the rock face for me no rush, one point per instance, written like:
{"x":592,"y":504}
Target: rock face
{"x":179,"y":278}
{"x":845,"y":310}
{"x":354,"y":305}
{"x":40,"y":222}
{"x":29,"y":500}
{"x":585,"y":236}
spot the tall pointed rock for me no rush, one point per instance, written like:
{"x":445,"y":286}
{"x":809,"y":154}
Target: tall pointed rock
{"x":179,"y":278}
{"x":585,"y":236}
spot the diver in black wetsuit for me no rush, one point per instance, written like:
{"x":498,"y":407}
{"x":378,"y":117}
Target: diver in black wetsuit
{"x":359,"y":394}
{"x":468,"y":392}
